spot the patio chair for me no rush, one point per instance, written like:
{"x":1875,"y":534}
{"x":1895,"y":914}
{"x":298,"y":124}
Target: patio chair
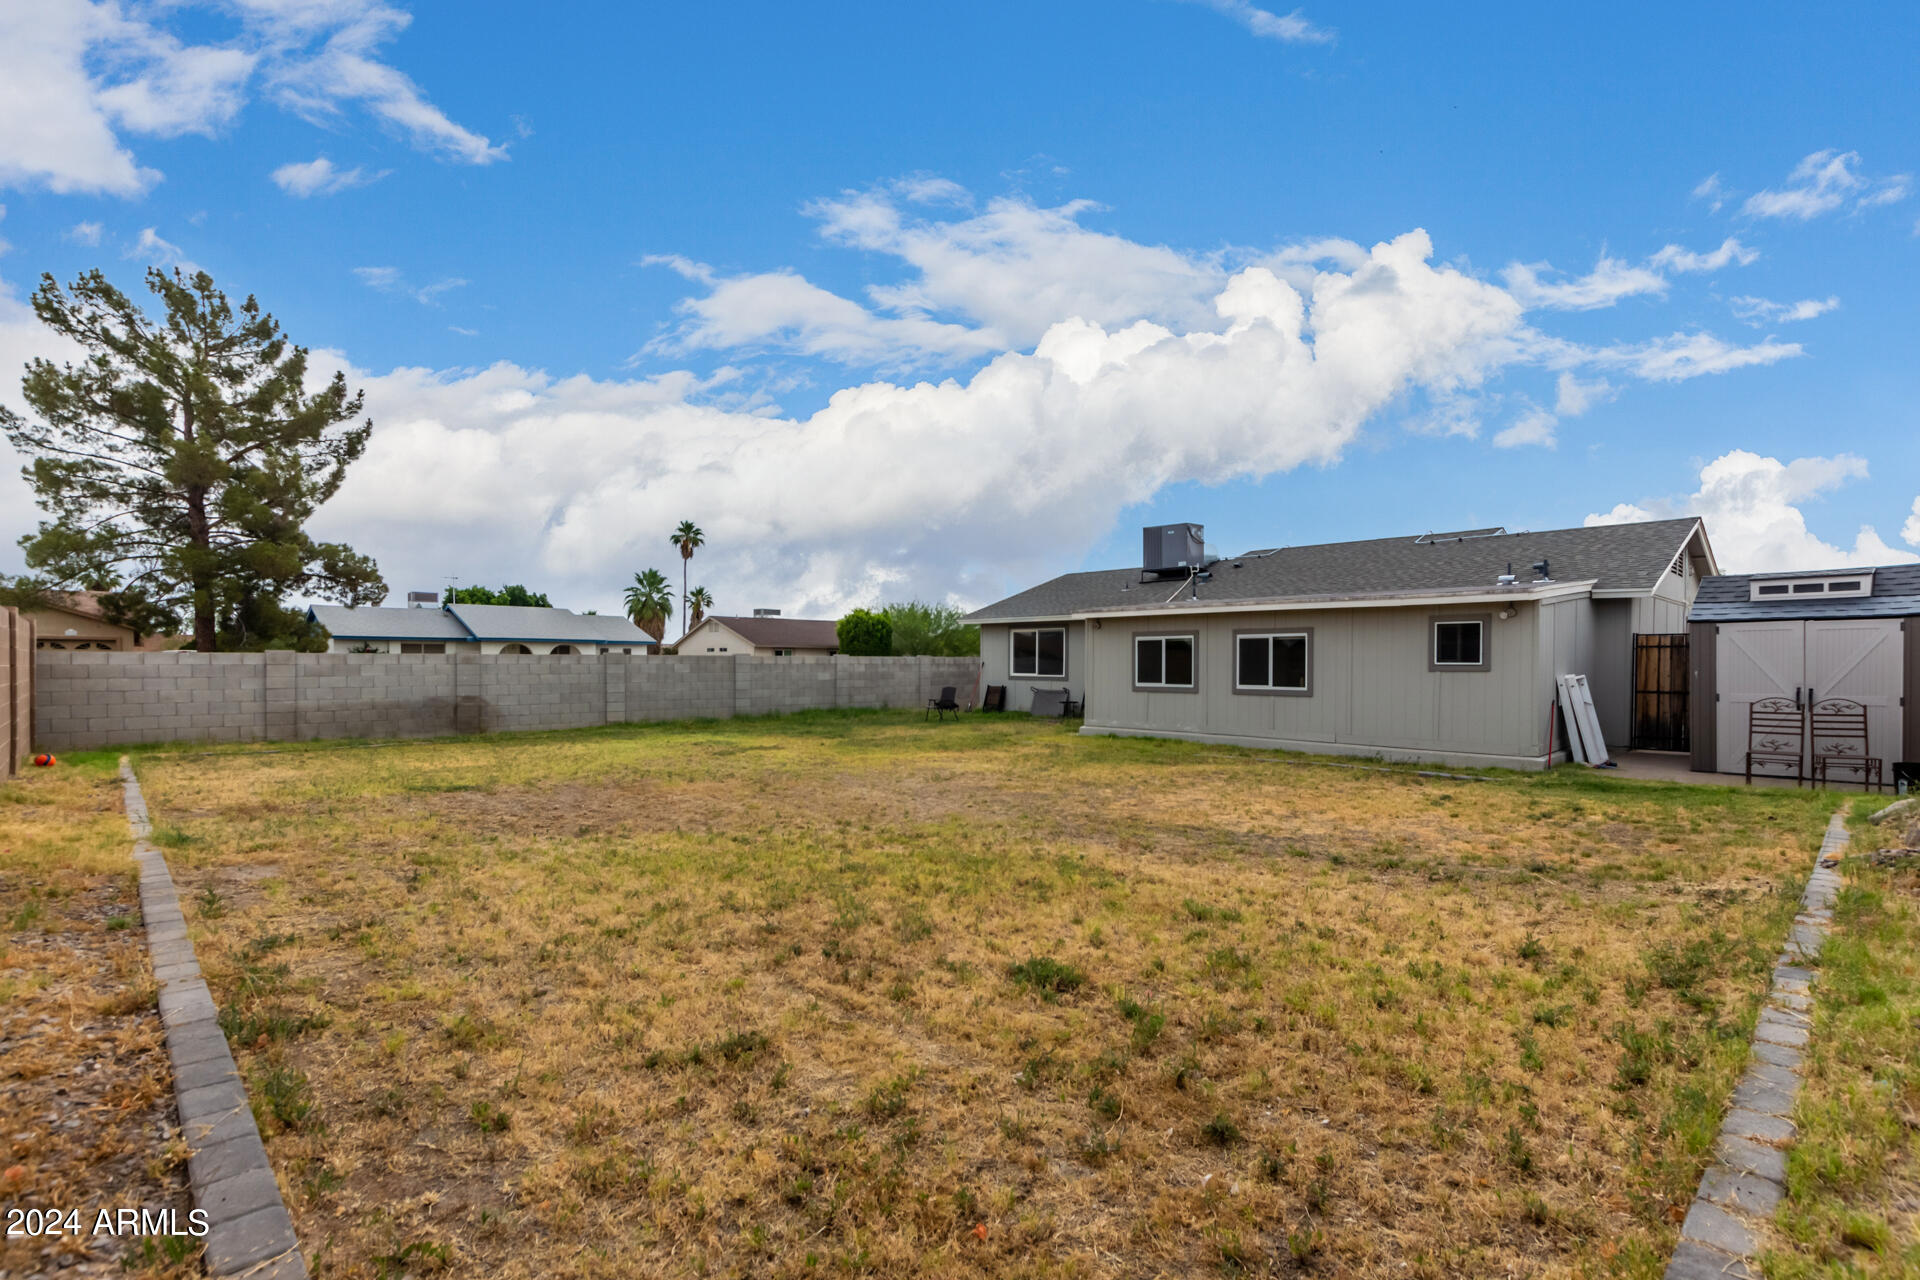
{"x":1776,"y":732}
{"x":1839,"y":740}
{"x":995,"y":699}
{"x":943,"y":704}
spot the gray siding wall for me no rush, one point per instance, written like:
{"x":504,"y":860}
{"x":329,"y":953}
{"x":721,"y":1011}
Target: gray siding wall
{"x":1372,"y":691}
{"x":1611,"y":674}
{"x":87,"y":699}
{"x":994,"y":656}
{"x":1568,"y":646}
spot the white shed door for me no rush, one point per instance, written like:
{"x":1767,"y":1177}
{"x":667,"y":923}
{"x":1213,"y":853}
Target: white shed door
{"x":1860,"y":659}
{"x":1755,"y":660}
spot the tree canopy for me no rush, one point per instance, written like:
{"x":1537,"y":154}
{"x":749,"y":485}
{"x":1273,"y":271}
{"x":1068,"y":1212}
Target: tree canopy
{"x":935,"y":630}
{"x":650,"y":602}
{"x":865,"y":634}
{"x":181,"y":459}
{"x":511,"y":594}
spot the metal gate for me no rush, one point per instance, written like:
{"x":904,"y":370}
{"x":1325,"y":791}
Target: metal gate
{"x":1660,"y":693}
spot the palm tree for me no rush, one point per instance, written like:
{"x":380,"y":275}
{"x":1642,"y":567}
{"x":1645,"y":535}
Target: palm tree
{"x":687,"y":537}
{"x":697,"y":605}
{"x":650,"y":602}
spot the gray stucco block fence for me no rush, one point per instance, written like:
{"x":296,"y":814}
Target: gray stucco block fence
{"x":87,"y":699}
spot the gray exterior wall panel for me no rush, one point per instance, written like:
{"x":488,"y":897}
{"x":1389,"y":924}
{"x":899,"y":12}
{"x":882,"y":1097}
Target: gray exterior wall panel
{"x":1372,"y":691}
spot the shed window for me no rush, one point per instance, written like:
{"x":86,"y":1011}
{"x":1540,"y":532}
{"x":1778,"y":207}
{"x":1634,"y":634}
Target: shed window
{"x":1039,"y":652}
{"x":1457,"y":644}
{"x":1163,"y":662}
{"x":1276,"y":661}
{"x":1771,"y":589}
{"x":1809,"y":588}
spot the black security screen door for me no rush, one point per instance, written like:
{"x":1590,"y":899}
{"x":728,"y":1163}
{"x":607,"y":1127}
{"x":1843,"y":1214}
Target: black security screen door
{"x":1660,"y":693}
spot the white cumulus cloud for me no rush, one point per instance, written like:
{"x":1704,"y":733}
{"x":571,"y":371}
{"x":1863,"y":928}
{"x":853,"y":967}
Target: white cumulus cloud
{"x":1823,"y":182}
{"x":319,"y":177}
{"x":1910,"y":531}
{"x":958,"y":487}
{"x":1762,"y":311}
{"x":79,"y":77}
{"x":1751,"y":504}
{"x":1292,"y":28}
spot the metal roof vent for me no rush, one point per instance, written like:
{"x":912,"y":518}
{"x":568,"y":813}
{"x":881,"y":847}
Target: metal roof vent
{"x":1507,"y":579}
{"x":1540,"y":567}
{"x":1430,"y":538}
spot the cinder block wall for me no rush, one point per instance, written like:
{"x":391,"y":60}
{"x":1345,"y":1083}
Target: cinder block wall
{"x":88,"y":699}
{"x":16,"y":688}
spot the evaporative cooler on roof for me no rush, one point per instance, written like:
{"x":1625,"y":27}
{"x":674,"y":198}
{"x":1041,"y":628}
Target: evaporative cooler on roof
{"x":1173,"y":548}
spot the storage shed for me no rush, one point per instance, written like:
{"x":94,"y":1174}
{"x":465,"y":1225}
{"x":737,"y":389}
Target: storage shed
{"x":1805,"y":638}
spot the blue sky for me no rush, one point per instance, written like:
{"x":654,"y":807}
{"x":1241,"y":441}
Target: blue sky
{"x":1329,"y":273}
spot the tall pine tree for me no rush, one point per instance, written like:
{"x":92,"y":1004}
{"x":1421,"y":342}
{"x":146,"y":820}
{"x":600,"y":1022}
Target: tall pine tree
{"x":181,"y":459}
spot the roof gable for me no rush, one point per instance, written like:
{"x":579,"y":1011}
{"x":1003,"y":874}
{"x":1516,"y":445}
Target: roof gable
{"x":779,"y":633}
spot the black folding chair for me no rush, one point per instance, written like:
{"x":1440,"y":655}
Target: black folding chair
{"x":943,"y":704}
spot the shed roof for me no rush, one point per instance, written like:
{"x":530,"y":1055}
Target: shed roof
{"x":781,"y":633}
{"x":1616,"y":557}
{"x":1728,"y":598}
{"x":386,"y":624}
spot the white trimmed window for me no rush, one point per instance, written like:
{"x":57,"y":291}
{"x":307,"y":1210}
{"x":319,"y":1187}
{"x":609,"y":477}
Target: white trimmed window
{"x":1037,"y":652}
{"x":1163,"y":662}
{"x":1274,"y":661}
{"x":1459,"y":644}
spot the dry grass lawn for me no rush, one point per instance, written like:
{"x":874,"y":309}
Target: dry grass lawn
{"x":87,"y":1119}
{"x":850,"y":994}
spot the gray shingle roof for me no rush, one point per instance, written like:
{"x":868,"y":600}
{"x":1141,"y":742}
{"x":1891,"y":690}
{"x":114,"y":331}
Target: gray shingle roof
{"x":477,"y":622}
{"x":386,"y":624}
{"x":782,"y":633}
{"x":1618,"y":557}
{"x":514,"y":622}
{"x":1727,"y":598}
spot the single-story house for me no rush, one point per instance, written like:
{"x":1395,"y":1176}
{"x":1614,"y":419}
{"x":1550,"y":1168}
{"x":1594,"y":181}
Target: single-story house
{"x":477,"y":628}
{"x":74,"y":620}
{"x":1805,"y":638}
{"x":1441,"y":646}
{"x":766,"y":634}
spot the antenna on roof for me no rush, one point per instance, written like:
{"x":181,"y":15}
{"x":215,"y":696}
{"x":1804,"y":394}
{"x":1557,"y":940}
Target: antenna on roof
{"x":451,"y":581}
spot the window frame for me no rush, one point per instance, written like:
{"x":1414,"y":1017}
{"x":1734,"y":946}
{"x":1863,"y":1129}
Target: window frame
{"x":1434,"y":623}
{"x":1133,"y":661}
{"x":1065,"y":665}
{"x":1270,"y":634}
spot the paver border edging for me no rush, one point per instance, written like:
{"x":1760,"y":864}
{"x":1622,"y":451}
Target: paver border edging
{"x":1747,"y":1179}
{"x":249,"y":1232}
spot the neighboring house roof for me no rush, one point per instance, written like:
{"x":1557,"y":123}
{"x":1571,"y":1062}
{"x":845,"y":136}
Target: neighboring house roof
{"x":779,"y":633}
{"x":386,"y":624}
{"x":1727,"y":598}
{"x":477,"y":622}
{"x":559,"y":626}
{"x":1616,"y":557}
